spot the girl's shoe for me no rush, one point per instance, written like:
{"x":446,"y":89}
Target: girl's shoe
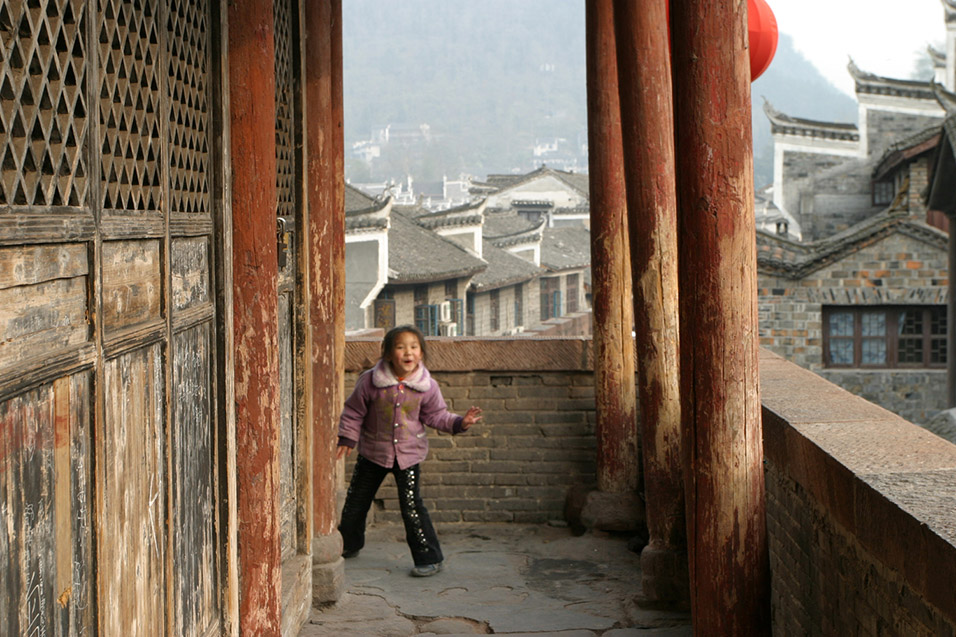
{"x":350,"y":554}
{"x":426,"y":570}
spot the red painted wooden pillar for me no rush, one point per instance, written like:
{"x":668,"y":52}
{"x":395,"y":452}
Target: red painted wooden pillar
{"x":647,"y":118}
{"x":325,"y":197}
{"x":338,"y":204}
{"x":728,"y":555}
{"x":255,"y":305}
{"x":321,"y":176}
{"x":617,"y":459}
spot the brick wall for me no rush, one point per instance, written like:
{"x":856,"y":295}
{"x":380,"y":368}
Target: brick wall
{"x":536,"y":439}
{"x":859,"y":513}
{"x":895,"y":270}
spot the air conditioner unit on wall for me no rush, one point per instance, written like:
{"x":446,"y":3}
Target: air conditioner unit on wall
{"x":445,"y":311}
{"x":449,"y":329}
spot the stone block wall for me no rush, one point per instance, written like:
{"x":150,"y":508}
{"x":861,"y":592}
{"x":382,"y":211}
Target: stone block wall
{"x":884,"y":127}
{"x":859,"y":513}
{"x":897,"y":269}
{"x":536,"y":439}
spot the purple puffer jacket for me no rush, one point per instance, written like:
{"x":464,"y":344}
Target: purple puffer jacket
{"x":387,"y":417}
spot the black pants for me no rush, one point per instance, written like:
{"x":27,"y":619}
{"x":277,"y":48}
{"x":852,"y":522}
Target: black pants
{"x":419,"y":532}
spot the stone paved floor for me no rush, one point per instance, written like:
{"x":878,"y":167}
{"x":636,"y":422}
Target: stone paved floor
{"x":500,"y":579}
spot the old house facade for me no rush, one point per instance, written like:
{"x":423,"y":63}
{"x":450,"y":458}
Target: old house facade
{"x":860,"y":294}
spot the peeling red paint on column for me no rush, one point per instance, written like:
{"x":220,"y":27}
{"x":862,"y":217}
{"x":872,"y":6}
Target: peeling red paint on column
{"x":618,"y":467}
{"x":729,"y":563}
{"x":323,"y":27}
{"x":255,"y":302}
{"x":338,"y":210}
{"x":648,"y":130}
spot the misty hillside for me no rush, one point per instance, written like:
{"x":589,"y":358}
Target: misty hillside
{"x":491,"y":79}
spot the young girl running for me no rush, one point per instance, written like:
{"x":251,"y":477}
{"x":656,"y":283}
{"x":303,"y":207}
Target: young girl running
{"x":385,"y":417}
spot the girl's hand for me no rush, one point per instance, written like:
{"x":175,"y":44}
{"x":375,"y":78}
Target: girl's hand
{"x":342,"y":451}
{"x":472,"y":416}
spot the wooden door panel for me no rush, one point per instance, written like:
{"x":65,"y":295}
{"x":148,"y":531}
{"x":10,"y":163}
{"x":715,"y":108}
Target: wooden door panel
{"x":132,"y":283}
{"x":287,"y":490}
{"x":43,"y":299}
{"x":44,"y":510}
{"x":107,"y":286}
{"x":131,"y":475}
{"x":193,"y":503}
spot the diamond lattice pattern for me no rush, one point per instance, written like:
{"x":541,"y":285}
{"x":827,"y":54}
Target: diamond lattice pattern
{"x":129,"y":105}
{"x":43,"y":122}
{"x":285,"y":159}
{"x":187,"y":23}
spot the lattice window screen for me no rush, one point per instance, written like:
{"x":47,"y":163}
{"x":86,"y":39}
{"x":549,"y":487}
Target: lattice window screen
{"x":129,"y":105}
{"x":187,"y":25}
{"x":43,"y":110}
{"x":285,"y":132}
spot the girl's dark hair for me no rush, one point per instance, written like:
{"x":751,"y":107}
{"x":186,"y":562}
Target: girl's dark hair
{"x":389,"y":341}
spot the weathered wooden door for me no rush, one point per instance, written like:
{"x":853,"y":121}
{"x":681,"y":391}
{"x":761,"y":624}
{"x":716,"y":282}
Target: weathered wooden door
{"x":290,"y":280}
{"x":108,"y":332}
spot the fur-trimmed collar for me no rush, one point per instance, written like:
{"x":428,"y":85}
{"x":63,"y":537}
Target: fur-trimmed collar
{"x":382,"y":376}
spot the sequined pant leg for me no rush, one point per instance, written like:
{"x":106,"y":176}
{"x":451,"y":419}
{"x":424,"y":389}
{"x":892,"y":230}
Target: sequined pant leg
{"x":419,"y":532}
{"x":366,"y":479}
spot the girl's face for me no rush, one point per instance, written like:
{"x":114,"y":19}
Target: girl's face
{"x":405,"y":354}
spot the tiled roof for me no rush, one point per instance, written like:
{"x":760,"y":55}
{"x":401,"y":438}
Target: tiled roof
{"x":785,"y":124}
{"x":463,"y":215}
{"x":795,"y":260}
{"x":577,"y":181}
{"x":506,"y":223}
{"x":355,"y":199}
{"x":363,"y":212}
{"x":566,"y":248}
{"x":870,"y":83}
{"x":906,"y":148}
{"x":503,"y":269}
{"x":417,"y":255}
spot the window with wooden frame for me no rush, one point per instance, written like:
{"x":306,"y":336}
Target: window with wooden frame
{"x":519,"y":305}
{"x":884,"y":336}
{"x":421,"y":294}
{"x":426,"y":319}
{"x":495,"y":311}
{"x":574,"y":282}
{"x":550,"y":298}
{"x":883,"y":192}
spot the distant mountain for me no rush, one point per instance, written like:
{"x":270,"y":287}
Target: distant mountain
{"x":795,"y":87}
{"x":491,"y":79}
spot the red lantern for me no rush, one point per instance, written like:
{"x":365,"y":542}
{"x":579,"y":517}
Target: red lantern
{"x":762,"y":26}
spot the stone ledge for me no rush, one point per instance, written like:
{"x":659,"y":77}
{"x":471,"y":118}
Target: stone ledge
{"x":886,"y":481}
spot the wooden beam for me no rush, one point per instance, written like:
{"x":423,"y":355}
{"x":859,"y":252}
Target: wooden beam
{"x":255,"y":302}
{"x":618,"y":459}
{"x":728,"y":555}
{"x":644,"y":72}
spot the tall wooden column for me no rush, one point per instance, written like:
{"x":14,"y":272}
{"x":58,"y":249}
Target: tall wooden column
{"x":322,"y":19}
{"x":338,"y":201}
{"x":728,"y":555}
{"x":648,"y":128}
{"x":617,"y":460}
{"x":255,"y":303}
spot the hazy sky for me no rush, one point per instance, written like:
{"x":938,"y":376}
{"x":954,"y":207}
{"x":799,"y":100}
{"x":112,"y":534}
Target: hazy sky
{"x":882,"y":36}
